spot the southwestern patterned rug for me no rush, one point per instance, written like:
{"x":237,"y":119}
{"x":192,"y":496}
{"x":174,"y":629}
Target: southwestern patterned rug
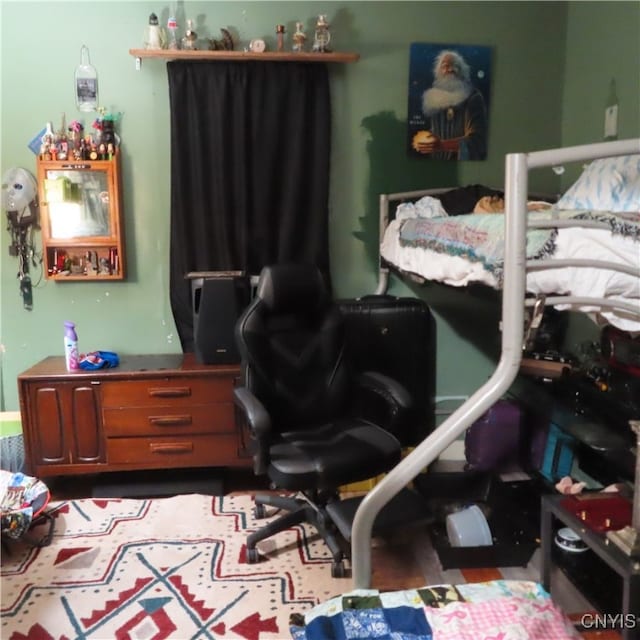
{"x":162,"y":568}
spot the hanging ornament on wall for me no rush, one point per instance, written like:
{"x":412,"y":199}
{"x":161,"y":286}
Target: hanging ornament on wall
{"x":19,"y":200}
{"x":86,"y":83}
{"x":18,"y":190}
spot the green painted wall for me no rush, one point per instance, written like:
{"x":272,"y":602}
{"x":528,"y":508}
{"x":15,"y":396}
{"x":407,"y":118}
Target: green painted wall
{"x":603,"y":46}
{"x":40,"y":48}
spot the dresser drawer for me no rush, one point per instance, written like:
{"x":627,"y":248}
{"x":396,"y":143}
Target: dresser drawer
{"x":162,"y":392}
{"x":172,"y":451}
{"x":169,"y":420}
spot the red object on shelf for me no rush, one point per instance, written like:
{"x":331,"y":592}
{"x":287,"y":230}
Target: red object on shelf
{"x":600,"y":511}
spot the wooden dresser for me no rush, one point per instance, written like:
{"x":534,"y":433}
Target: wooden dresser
{"x":150,"y":412}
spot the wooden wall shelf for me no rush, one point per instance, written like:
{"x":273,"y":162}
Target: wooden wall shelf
{"x":267,"y":56}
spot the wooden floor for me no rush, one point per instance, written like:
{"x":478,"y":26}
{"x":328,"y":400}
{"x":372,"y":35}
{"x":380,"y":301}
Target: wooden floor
{"x":400,"y":561}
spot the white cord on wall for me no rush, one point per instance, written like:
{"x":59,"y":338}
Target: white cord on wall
{"x":441,"y":399}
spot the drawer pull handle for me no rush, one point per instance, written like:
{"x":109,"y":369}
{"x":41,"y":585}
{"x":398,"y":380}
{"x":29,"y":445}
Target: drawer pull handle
{"x":169,"y":421}
{"x":170,"y":392}
{"x":171,"y":447}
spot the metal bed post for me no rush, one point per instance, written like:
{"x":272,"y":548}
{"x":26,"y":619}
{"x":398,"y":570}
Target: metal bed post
{"x":512,"y":334}
{"x":383,"y":221}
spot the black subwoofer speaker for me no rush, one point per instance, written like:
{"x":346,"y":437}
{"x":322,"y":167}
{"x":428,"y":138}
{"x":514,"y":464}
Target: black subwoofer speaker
{"x":217,"y":305}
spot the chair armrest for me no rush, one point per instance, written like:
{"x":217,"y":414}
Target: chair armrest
{"x":259,"y":423}
{"x":385,"y":402}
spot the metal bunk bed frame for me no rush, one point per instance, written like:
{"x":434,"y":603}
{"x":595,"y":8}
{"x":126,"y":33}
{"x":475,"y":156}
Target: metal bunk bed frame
{"x":517,"y":166}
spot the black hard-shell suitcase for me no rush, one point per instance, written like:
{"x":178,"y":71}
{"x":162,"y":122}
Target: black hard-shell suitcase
{"x":396,"y":336}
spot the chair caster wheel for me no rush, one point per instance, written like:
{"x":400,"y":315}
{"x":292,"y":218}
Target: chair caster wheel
{"x":338,"y":570}
{"x":259,"y":512}
{"x":253,"y":556}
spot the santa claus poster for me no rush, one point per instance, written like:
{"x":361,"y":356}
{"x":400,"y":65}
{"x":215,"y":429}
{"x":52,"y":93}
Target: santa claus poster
{"x":449,"y":93}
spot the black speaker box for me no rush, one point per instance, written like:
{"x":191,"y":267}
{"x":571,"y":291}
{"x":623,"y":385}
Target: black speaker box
{"x":217,"y":305}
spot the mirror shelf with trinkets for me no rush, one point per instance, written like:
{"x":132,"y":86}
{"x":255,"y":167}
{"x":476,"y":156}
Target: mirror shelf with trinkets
{"x":82,"y":220}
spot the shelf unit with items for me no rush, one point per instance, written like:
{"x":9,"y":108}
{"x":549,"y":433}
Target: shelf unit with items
{"x":607,"y":576}
{"x":82,"y":219}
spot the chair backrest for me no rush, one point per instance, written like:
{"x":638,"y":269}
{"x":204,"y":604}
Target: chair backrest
{"x":291,"y":341}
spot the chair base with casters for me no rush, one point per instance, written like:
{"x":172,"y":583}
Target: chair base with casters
{"x":298,"y":510}
{"x":333,"y":522}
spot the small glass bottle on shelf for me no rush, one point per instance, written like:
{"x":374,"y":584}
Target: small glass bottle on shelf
{"x":190,"y":38}
{"x":280,"y":37}
{"x":172,"y":28}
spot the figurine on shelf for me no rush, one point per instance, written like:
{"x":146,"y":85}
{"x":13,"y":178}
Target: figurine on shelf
{"x":224,"y":44}
{"x":154,"y":37}
{"x":105,"y":269}
{"x":105,"y":131}
{"x":48,"y":137}
{"x":63,"y":149}
{"x":75,"y":133}
{"x":97,"y":125}
{"x":299,"y":38}
{"x":61,"y":140}
{"x":108,"y":133}
{"x":322,"y":36}
{"x":189,"y":42}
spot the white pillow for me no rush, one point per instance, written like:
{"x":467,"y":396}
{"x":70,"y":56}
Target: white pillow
{"x":607,"y":184}
{"x":426,"y":207}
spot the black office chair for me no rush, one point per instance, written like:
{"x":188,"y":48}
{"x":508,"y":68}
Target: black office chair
{"x":315,"y":425}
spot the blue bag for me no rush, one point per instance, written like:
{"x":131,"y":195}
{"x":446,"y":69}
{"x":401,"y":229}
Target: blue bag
{"x":99,"y":360}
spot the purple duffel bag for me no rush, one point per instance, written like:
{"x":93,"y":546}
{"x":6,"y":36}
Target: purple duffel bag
{"x":495,"y":441}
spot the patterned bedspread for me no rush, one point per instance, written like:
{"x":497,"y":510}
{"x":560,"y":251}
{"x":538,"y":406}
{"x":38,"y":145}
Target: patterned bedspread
{"x":449,"y":251}
{"x":481,"y":238}
{"x":496,"y":610}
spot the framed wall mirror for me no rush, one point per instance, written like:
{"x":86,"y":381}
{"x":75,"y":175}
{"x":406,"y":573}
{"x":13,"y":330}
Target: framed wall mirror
{"x":78,"y":202}
{"x":82,"y":217}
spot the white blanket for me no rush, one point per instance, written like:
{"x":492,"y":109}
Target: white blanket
{"x":580,"y":243}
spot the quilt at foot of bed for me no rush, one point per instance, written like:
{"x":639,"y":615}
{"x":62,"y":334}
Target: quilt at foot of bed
{"x":504,"y":609}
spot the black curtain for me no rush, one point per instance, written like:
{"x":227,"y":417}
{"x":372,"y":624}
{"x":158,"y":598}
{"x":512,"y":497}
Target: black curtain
{"x":250,"y":145}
